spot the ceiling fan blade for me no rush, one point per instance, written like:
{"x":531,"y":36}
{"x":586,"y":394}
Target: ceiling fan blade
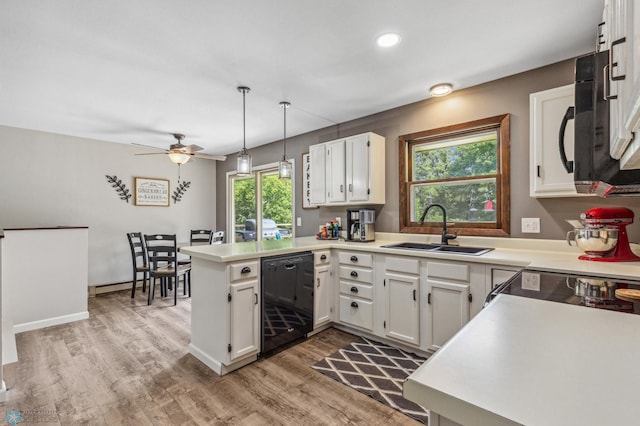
{"x":149,"y":146}
{"x":210,"y":157}
{"x":193,"y":148}
{"x":152,"y":153}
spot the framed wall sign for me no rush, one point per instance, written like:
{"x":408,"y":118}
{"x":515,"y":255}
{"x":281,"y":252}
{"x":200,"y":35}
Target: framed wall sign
{"x":306,"y":184}
{"x":151,"y":192}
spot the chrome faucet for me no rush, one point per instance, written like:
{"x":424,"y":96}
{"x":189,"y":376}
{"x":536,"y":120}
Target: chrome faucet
{"x":445,"y":237}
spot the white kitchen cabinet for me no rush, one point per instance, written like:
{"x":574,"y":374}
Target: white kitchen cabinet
{"x":318,"y":161}
{"x":548,"y":177}
{"x":323,"y":294}
{"x":402,"y":299}
{"x":456,"y":292}
{"x":335,"y":172}
{"x":225,"y":313}
{"x":622,"y":39}
{"x":244,"y":313}
{"x":351,"y":171}
{"x":355,"y":271}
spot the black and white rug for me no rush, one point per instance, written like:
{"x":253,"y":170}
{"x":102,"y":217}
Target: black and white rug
{"x":377,"y":370}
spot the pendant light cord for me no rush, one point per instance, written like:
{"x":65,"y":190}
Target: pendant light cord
{"x":244,"y":120}
{"x":284,"y":139}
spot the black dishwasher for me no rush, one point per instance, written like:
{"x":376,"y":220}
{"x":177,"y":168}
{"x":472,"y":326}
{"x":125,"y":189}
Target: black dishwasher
{"x":287,"y":299}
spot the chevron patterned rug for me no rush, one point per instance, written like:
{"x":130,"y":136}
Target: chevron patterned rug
{"x":377,"y":370}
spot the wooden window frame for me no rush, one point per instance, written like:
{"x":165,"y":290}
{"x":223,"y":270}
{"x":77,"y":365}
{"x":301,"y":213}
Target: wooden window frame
{"x":502,"y":226}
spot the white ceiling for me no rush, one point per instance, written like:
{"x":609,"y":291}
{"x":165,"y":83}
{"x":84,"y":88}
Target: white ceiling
{"x":137,"y":71}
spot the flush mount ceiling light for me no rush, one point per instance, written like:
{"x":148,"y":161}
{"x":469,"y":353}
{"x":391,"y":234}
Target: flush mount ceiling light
{"x":442,"y":89}
{"x":284,"y":167}
{"x":388,"y":40}
{"x":244,"y":159}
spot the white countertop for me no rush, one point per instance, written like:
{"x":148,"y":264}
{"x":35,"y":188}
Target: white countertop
{"x":551,"y":255}
{"x":536,"y":363}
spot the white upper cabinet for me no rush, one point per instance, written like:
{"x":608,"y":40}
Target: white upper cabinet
{"x":351,"y":171}
{"x":335,"y":172}
{"x":317,"y":187}
{"x":548,"y":177}
{"x":621,"y":36}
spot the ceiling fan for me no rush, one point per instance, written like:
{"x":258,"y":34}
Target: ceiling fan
{"x":179,"y":153}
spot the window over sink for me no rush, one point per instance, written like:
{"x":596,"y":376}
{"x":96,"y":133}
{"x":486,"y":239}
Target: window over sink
{"x":465,"y":168}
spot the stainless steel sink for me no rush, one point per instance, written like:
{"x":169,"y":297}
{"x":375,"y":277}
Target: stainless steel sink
{"x":413,"y":246}
{"x":438,"y":248}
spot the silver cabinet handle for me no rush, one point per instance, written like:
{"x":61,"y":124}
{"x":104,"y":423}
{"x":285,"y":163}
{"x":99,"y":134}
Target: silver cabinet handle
{"x":350,"y":187}
{"x":341,"y":188}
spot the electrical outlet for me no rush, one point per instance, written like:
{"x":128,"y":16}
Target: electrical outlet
{"x":531,"y":225}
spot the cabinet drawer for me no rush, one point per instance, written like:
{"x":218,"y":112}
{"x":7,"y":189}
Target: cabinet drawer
{"x":356,"y":312}
{"x":356,"y":274}
{"x":351,"y":258}
{"x":243,"y":270}
{"x":449,"y":271}
{"x":402,"y":264}
{"x":356,"y":289}
{"x":321,"y":258}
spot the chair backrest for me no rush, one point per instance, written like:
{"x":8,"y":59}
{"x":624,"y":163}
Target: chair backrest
{"x":161,"y":249}
{"x":201,"y":236}
{"x":217,"y":237}
{"x":138,"y":249}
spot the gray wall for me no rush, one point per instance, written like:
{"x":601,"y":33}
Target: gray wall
{"x":508,"y":95}
{"x":50,"y":180}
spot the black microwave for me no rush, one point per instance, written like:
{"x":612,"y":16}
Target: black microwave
{"x":594,"y":170}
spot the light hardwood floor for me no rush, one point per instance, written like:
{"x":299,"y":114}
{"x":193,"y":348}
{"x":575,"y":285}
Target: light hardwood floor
{"x":129,"y":364}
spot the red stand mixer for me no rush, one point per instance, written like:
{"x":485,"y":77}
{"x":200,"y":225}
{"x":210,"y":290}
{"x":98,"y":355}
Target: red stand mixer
{"x":604,"y":236}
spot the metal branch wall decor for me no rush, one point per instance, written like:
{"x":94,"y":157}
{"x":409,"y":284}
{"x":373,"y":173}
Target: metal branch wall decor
{"x":179,"y":191}
{"x":120,"y":187}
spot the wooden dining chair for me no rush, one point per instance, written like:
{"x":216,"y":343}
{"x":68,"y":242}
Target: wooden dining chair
{"x":162,"y":251}
{"x":201,"y":236}
{"x":139,"y":261}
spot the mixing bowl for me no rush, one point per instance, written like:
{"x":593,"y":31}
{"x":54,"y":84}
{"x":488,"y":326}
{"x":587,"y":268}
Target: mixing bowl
{"x":594,"y":241}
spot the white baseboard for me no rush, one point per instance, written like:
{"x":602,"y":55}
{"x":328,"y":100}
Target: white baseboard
{"x":35,"y":325}
{"x":206,"y":359}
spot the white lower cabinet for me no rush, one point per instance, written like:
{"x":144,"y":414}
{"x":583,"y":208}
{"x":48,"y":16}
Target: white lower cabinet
{"x":225,"y":313}
{"x":355,"y":284}
{"x":401,"y":299}
{"x":323,"y":292}
{"x":456,"y":292}
{"x":244,"y":312}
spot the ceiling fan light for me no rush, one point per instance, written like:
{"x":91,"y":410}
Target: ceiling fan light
{"x":244,"y":163}
{"x":285,"y":168}
{"x":179,"y":157}
{"x":442,"y":89}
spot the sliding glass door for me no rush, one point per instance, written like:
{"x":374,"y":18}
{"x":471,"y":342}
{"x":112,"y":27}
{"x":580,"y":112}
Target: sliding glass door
{"x":260,"y":206}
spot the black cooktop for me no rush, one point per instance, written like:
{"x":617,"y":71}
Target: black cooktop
{"x":589,"y":291}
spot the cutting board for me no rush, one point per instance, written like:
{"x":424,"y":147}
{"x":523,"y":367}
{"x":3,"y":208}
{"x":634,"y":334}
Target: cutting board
{"x":628,"y":294}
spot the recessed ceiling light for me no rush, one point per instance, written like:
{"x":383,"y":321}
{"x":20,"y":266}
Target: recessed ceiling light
{"x":442,"y":89}
{"x":388,"y":40}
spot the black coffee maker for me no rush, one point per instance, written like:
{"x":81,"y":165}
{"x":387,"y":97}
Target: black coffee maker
{"x":361,"y":224}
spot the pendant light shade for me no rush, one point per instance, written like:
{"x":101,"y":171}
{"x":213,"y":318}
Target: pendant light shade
{"x":244,"y":159}
{"x":179,"y":157}
{"x":285,"y":168}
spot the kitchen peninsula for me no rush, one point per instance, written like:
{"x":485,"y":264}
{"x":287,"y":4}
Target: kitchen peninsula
{"x":225,"y":327}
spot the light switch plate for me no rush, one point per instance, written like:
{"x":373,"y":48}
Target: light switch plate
{"x":298,"y":221}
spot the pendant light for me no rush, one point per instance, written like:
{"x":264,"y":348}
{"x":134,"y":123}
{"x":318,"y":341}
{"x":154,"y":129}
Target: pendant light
{"x":285,"y":167}
{"x":244,"y":159}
